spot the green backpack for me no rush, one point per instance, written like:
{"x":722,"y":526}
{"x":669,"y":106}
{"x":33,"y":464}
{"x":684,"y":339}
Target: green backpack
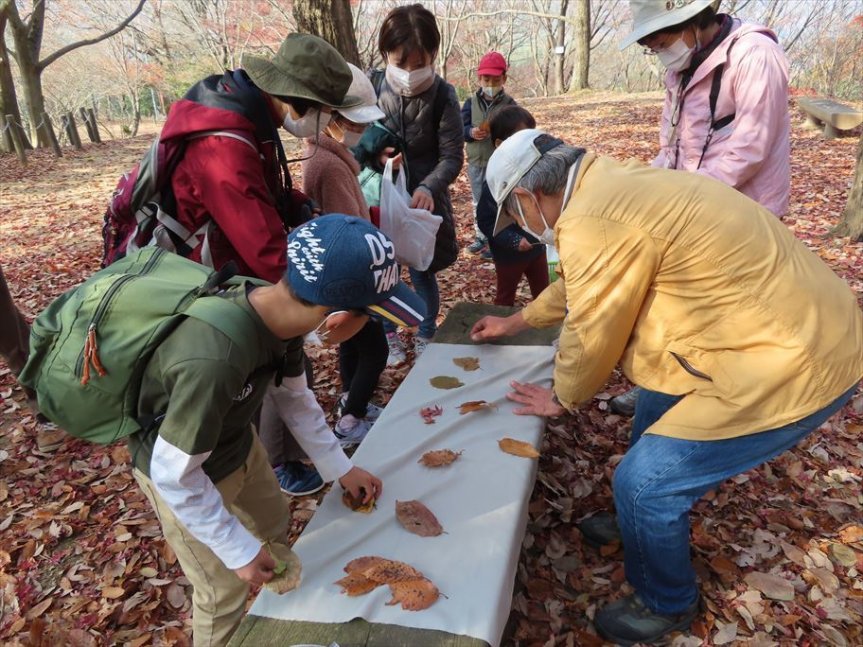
{"x":89,"y":347}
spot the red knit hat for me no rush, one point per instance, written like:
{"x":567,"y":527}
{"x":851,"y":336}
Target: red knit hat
{"x":493,"y":64}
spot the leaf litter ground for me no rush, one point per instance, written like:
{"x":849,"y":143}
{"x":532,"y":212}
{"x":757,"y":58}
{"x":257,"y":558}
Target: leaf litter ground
{"x":779,"y":549}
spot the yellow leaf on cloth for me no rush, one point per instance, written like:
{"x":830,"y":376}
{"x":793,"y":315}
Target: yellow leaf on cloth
{"x":518,"y":448}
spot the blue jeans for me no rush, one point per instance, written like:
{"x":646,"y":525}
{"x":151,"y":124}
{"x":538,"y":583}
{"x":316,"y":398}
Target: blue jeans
{"x":660,"y":479}
{"x":425,"y":285}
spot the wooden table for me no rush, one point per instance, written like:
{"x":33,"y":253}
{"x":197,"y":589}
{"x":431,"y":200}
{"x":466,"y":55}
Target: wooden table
{"x":256,"y":631}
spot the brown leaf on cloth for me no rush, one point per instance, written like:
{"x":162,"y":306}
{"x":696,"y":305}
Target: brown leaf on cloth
{"x":390,"y":570}
{"x":354,"y":584}
{"x":414,"y":595}
{"x":467,"y":363}
{"x":439,"y":457}
{"x":474,"y":405}
{"x":445,"y":382}
{"x":518,"y":448}
{"x":360,"y":564}
{"x":418,"y":519}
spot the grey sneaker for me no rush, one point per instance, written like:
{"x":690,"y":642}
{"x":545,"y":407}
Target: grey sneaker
{"x":397,"y":350}
{"x":420,"y":345}
{"x":628,"y":621}
{"x":373,"y":411}
{"x":476,"y":246}
{"x":624,"y":404}
{"x":600,"y":530}
{"x":351,"y":430}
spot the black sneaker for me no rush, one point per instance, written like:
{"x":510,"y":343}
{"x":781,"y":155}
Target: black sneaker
{"x":600,"y":530}
{"x":628,"y":621}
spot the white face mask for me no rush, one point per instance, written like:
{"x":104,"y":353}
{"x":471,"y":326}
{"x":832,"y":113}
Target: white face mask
{"x":347,"y":138}
{"x":309,"y":125}
{"x":677,"y":56}
{"x":491,"y":90}
{"x":547,"y":235}
{"x":410,"y":83}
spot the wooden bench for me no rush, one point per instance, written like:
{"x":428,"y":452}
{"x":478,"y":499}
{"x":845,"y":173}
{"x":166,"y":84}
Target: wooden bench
{"x":830,"y":115}
{"x":262,"y":631}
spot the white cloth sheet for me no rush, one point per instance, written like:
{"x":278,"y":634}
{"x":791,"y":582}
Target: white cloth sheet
{"x":480,"y":500}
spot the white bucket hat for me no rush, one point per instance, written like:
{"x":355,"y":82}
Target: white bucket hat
{"x":649,"y":16}
{"x":509,"y":163}
{"x":367,"y":111}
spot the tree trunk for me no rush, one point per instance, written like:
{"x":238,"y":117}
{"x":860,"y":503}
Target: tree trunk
{"x":581,"y":67}
{"x":332,"y":21}
{"x":8,"y":96}
{"x":852,"y":217}
{"x":559,"y":51}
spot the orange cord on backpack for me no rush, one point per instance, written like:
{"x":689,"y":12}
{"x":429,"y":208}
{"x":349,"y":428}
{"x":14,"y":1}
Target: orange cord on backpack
{"x":91,"y":355}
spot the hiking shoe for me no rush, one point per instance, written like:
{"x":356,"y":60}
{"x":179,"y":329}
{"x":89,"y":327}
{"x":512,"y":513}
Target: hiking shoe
{"x":486,"y":255}
{"x":298,"y":479}
{"x":600,"y":530}
{"x":49,"y":438}
{"x":477,"y":246}
{"x":397,"y":350}
{"x":351,"y":430}
{"x":420,"y":345}
{"x":624,"y":404}
{"x":373,"y":411}
{"x":628,"y":621}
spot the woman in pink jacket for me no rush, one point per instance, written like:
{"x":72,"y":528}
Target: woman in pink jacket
{"x":726,"y":103}
{"x":726,"y":96}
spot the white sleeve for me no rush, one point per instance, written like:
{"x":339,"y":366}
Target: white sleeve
{"x":300,"y":411}
{"x":197,"y":504}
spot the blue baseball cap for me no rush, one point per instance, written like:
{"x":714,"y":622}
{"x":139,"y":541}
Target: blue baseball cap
{"x":347,"y":263}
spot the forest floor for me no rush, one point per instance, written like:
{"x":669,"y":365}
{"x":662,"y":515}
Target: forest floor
{"x":779,"y":550}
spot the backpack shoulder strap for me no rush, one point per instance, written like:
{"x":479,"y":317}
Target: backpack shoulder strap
{"x":376,"y":76}
{"x":223,"y":315}
{"x":440,"y":99}
{"x":715,"y":86}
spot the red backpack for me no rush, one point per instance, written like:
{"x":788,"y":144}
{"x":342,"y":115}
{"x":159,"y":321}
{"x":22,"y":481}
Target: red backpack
{"x":142,"y":207}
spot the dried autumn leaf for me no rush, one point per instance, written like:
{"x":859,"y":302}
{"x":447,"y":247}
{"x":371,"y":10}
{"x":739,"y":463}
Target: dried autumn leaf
{"x":772,"y":586}
{"x":418,"y":519}
{"x":518,"y":448}
{"x":473,"y":405}
{"x":356,"y":503}
{"x":851,"y":534}
{"x":112,"y":592}
{"x":390,"y":571}
{"x":286,"y":575}
{"x":439,"y":457}
{"x":414,"y":595}
{"x":354,"y":584}
{"x":445,"y":382}
{"x":430,"y":413}
{"x":364,"y":563}
{"x":467,"y":363}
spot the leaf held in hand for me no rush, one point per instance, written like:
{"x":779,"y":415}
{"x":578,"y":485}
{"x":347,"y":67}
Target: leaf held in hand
{"x":430,"y":413}
{"x":439,"y":457}
{"x":418,"y":519}
{"x":287,"y":578}
{"x":356,"y":503}
{"x":414,"y":595}
{"x":518,"y":448}
{"x":473,"y":405}
{"x":445,"y":382}
{"x":467,"y":363}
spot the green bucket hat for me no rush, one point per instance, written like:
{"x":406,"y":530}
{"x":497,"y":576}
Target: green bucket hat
{"x":305,"y":67}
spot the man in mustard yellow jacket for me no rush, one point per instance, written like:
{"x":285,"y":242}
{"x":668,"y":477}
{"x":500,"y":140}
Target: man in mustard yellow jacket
{"x":743,"y":339}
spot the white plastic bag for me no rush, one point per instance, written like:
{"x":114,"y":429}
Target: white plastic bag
{"x":412,"y":231}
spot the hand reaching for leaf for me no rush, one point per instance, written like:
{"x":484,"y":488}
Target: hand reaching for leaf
{"x":360,"y":482}
{"x":489,"y":328}
{"x":422,"y":199}
{"x":538,"y":400}
{"x":259,"y":571}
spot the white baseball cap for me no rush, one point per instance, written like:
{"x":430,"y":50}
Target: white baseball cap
{"x":367,"y":111}
{"x":509,"y":163}
{"x":649,"y":16}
